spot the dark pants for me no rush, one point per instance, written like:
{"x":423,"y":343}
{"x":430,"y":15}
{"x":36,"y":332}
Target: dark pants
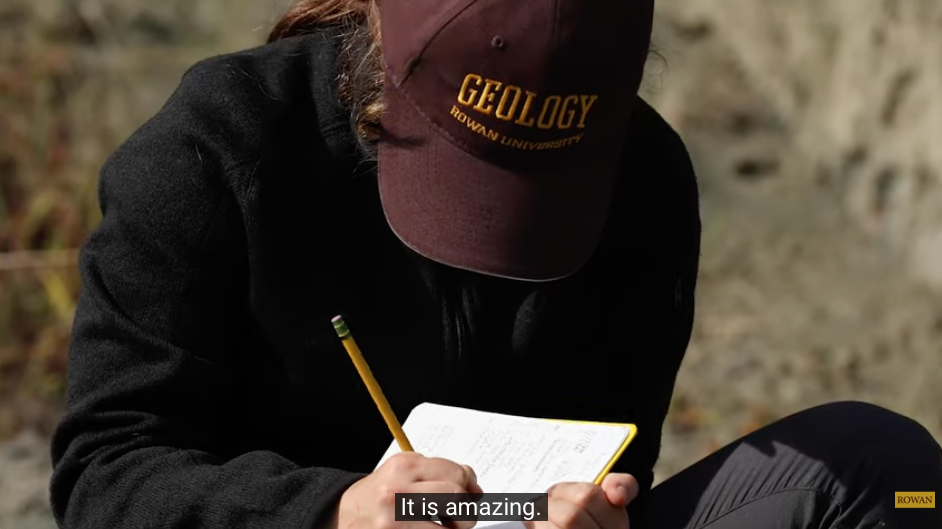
{"x":835,"y":466}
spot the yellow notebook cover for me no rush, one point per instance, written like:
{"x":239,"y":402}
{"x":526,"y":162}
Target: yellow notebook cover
{"x":632,"y":433}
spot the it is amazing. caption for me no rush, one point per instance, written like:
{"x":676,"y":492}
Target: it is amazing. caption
{"x":462,"y":507}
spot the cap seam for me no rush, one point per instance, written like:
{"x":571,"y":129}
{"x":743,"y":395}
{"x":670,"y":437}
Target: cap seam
{"x":555,"y":35}
{"x":447,"y":18}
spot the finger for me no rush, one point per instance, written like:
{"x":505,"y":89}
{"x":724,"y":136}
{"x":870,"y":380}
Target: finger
{"x":431,"y":507}
{"x":567,"y":515}
{"x":620,"y":489}
{"x":436,"y":487}
{"x":540,"y":524}
{"x":472,"y":485}
{"x":408,"y":467}
{"x":584,"y":495}
{"x":403,"y":466}
{"x":592,"y":500}
{"x":440,"y":469}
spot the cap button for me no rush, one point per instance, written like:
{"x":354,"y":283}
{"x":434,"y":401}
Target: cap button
{"x":498,"y":43}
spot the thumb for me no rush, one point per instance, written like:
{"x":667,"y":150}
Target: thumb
{"x":620,"y":489}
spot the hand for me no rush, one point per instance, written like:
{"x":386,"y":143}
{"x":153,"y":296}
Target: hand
{"x":590,"y":506}
{"x":370,"y":502}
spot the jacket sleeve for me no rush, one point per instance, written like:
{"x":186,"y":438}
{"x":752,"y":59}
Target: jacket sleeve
{"x":150,"y":361}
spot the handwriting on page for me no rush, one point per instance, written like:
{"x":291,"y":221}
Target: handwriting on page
{"x":512,"y":454}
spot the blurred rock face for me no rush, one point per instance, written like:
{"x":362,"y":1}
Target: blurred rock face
{"x":853,"y":86}
{"x":24,"y":483}
{"x":816,"y":130}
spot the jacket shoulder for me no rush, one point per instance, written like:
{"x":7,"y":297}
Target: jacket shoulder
{"x":659,"y":170}
{"x":288,"y":84}
{"x":654,"y":142}
{"x":277,"y":71}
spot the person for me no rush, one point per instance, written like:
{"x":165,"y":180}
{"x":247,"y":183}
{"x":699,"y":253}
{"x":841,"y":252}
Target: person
{"x":476,"y":186}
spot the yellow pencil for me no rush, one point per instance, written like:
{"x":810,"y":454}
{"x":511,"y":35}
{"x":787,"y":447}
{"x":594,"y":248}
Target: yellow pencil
{"x":375,"y":391}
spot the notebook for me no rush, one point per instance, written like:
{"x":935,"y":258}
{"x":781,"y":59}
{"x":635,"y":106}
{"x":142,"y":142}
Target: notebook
{"x":512,"y":454}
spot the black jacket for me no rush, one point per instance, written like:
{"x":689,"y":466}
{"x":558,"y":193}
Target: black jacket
{"x":206,"y":385}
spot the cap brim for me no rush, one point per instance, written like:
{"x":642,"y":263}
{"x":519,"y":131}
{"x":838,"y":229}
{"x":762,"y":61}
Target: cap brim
{"x":453,"y":208}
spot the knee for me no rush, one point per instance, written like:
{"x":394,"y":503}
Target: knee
{"x":863,"y":431}
{"x":865,"y":421}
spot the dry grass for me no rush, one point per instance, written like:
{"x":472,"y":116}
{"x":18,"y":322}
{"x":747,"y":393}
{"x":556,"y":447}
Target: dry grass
{"x":75,"y":79}
{"x":47,"y":205}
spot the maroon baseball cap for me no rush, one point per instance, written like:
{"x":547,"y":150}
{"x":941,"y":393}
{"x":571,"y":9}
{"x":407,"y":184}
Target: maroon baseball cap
{"x":504,"y":126}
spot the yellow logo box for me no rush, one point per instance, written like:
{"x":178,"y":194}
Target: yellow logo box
{"x":915,"y":500}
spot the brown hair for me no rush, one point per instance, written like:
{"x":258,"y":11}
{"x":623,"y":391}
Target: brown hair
{"x":360,"y":64}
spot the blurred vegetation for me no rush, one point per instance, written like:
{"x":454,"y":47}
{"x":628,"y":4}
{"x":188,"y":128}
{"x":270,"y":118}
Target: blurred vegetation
{"x":47,"y":206}
{"x":76,"y":77}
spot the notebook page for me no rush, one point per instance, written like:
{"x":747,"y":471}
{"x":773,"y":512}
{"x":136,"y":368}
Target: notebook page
{"x":512,"y":454}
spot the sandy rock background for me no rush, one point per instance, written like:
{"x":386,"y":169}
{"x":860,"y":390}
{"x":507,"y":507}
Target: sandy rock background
{"x":815,"y":126}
